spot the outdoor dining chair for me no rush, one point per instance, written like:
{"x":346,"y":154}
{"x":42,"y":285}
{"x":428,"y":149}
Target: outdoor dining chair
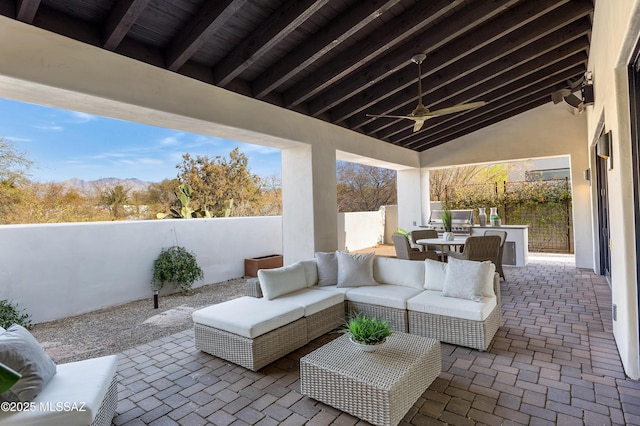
{"x":405,"y":251}
{"x":480,"y":248}
{"x":498,"y":262}
{"x":420,"y":234}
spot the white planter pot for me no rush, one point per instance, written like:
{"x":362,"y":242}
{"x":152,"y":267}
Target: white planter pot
{"x":448,"y":236}
{"x":368,"y":348}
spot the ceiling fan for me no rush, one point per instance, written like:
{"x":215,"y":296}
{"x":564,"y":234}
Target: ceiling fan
{"x":422,"y":113}
{"x":575,"y":104}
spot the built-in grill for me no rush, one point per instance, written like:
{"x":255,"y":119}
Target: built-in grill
{"x":461,"y":221}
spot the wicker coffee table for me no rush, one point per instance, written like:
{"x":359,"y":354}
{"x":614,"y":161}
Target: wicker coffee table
{"x":379,"y":387}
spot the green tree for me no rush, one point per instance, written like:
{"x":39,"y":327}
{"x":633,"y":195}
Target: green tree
{"x":220,"y":181}
{"x":115,"y":199}
{"x":453,"y":178}
{"x":364,"y":188}
{"x":14,"y":172}
{"x":14,"y":165}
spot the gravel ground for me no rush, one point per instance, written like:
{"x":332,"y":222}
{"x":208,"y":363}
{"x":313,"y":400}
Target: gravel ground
{"x":115,"y":329}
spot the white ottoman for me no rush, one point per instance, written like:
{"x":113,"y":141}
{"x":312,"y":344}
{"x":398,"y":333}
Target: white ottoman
{"x":250,"y":332}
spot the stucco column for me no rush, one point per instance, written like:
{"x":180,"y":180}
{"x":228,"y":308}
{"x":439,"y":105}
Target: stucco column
{"x":309,"y":201}
{"x":410,"y":198}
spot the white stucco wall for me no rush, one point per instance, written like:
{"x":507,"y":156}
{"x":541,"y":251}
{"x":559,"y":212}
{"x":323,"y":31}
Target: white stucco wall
{"x":616,"y":31}
{"x":359,"y":230}
{"x":60,"y":270}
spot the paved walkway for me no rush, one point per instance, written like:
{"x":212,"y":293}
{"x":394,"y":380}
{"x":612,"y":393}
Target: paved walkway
{"x":554,"y":361}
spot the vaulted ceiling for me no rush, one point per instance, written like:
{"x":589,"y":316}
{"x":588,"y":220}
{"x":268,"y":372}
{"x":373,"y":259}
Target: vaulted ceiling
{"x":340,"y":60}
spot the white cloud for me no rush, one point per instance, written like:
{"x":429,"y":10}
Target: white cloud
{"x":171,"y":140}
{"x":53,"y":127}
{"x":17,"y":139}
{"x":81,"y":117}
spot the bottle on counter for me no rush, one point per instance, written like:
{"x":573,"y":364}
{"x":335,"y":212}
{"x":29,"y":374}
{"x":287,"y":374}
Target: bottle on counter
{"x":482,"y":216}
{"x":494,"y":218}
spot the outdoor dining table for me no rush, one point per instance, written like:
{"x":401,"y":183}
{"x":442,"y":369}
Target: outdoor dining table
{"x":457,"y":242}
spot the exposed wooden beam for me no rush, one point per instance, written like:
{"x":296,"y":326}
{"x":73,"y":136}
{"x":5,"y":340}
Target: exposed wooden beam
{"x":26,"y":10}
{"x":501,"y":86}
{"x":548,"y":50}
{"x":505,"y":113}
{"x":335,"y":33}
{"x":509,"y":94}
{"x":513,"y":101}
{"x":453,"y":58}
{"x":271,"y":31}
{"x":122,"y":16}
{"x":394,"y":60}
{"x":208,"y":20}
{"x":399,"y":29}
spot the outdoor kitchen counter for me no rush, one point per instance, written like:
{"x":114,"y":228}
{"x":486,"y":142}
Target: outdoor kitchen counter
{"x":516,"y":246}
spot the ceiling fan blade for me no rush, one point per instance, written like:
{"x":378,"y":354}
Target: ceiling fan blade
{"x":558,"y":95}
{"x":418,"y":125}
{"x":390,"y":116}
{"x":455,"y":108}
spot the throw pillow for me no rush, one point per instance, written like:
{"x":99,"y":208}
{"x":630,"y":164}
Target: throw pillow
{"x":355,"y":270}
{"x":327,"y":268}
{"x":279,"y":281}
{"x":466,"y":279}
{"x":20,"y":351}
{"x":435,"y":272}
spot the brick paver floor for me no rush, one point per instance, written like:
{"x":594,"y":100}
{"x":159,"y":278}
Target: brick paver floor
{"x":553,"y":361}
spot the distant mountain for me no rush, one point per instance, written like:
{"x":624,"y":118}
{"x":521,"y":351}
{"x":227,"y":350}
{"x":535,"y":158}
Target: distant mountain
{"x":91,"y":186}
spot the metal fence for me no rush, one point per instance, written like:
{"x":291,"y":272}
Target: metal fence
{"x":543,"y":205}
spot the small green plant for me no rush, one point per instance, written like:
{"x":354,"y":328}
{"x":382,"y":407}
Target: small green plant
{"x":184,"y":195}
{"x":445,"y":215}
{"x":10,"y":314}
{"x":402,"y":232}
{"x":367,"y":330}
{"x":175,"y":265}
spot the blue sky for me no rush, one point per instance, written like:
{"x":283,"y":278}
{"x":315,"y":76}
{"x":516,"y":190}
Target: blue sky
{"x":66,"y":144}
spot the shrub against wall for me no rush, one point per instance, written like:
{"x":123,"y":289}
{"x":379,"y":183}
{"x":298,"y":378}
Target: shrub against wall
{"x":543,"y":205}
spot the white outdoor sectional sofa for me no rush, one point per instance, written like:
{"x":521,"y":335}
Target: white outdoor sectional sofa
{"x":456,"y":302}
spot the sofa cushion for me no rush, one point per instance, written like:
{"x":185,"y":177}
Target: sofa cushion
{"x":435,"y":273}
{"x":355,"y":270}
{"x":333,"y":288}
{"x":467,"y":279}
{"x":20,"y":351}
{"x":389,"y":295}
{"x":327,"y":264}
{"x":313,"y":300}
{"x":82,"y":384}
{"x":434,"y":302}
{"x":278,"y":281}
{"x":249,"y":316}
{"x":407,"y":273}
{"x":310,"y":271}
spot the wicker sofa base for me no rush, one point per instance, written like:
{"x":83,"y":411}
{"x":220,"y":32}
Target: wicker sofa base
{"x":107,"y":409}
{"x":324,"y":321}
{"x":397,"y":318}
{"x":251,"y":353}
{"x":457,"y":331}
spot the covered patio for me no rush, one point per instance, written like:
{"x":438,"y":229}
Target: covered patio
{"x":562,"y":355}
{"x":554,"y":361}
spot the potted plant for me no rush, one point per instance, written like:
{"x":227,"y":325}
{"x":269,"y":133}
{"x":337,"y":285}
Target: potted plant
{"x":446,"y":223}
{"x":368,"y":333}
{"x":10,"y":314}
{"x":175,"y":265}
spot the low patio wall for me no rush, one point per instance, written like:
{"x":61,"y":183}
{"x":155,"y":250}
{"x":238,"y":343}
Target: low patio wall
{"x":60,"y":270}
{"x":358,"y":230}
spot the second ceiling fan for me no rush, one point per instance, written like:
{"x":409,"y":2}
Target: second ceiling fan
{"x":421,"y":113}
